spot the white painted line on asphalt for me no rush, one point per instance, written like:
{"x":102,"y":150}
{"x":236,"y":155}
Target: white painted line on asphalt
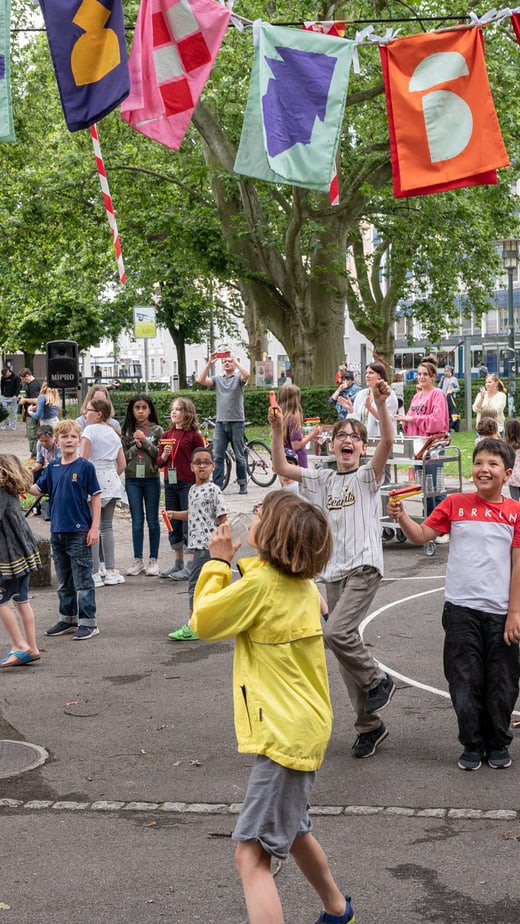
{"x":388,"y":606}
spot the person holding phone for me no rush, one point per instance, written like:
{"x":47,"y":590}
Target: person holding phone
{"x":492,"y":395}
{"x":229,"y":389}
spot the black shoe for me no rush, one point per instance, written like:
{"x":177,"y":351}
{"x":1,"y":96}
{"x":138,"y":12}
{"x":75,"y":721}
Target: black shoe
{"x":470,"y":760}
{"x":243,"y":489}
{"x":366,"y":743}
{"x":499,"y":760}
{"x":381,"y":695}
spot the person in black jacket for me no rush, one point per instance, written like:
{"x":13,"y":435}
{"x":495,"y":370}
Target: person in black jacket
{"x":32,"y":390}
{"x":11,"y":386}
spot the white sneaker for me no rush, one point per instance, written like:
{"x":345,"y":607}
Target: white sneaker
{"x":102,"y":569}
{"x":137,"y":567}
{"x":442,"y":540}
{"x":98,"y":580}
{"x":113,"y":577}
{"x":153,"y":568}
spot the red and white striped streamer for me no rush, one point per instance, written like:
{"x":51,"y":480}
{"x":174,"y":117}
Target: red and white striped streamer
{"x":334,"y":188}
{"x":107,"y":199}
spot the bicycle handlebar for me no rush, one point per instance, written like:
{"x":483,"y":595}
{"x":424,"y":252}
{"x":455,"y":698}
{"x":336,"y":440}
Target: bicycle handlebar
{"x":210,"y":422}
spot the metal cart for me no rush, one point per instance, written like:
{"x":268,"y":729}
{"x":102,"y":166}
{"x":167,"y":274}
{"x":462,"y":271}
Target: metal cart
{"x":406,"y":469}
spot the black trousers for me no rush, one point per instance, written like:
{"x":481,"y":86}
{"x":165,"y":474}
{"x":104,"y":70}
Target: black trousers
{"x":483,"y":674}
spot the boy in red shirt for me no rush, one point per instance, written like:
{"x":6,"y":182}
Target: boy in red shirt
{"x":481,"y":617}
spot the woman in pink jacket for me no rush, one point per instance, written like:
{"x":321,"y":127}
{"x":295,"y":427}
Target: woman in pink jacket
{"x":427,"y":414}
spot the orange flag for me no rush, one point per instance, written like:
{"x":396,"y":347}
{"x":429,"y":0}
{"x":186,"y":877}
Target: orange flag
{"x":444,"y":131}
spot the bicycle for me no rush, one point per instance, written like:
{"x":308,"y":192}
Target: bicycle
{"x":259,"y":463}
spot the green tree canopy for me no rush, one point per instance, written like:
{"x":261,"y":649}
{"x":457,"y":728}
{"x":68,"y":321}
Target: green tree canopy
{"x":190,"y":224}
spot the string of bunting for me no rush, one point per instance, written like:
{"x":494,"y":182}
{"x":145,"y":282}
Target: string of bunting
{"x":438,"y":97}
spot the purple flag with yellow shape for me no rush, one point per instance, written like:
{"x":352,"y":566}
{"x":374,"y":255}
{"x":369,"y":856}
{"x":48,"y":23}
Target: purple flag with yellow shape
{"x":88,"y":48}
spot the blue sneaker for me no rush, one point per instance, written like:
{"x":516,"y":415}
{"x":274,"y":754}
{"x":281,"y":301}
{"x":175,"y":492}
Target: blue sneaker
{"x":470,"y":760}
{"x":84,"y":632}
{"x":499,"y":760}
{"x":61,"y":628}
{"x":347,"y":918}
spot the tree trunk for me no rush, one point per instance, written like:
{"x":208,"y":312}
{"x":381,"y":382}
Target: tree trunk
{"x":177,"y":335}
{"x":302,"y":301}
{"x":257,"y":338}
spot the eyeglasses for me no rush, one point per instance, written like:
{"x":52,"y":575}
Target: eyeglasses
{"x":202,"y":463}
{"x":257,"y":509}
{"x":343,"y":435}
{"x":89,"y":409}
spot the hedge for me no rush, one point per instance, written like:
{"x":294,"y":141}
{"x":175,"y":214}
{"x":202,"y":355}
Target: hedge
{"x":256,"y":401}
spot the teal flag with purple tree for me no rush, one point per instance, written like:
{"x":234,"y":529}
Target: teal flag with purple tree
{"x":6,"y":114}
{"x":297,"y":94}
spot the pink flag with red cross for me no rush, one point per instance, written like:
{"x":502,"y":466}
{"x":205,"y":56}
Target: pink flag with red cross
{"x":174,"y":47}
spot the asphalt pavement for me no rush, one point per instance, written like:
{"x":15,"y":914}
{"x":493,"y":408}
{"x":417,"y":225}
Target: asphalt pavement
{"x":129,"y":820}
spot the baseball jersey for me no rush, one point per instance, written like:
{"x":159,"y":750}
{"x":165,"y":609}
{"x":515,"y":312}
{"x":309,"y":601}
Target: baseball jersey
{"x":482,"y":534}
{"x":352,"y":502}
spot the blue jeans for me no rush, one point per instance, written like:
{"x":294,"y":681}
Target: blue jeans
{"x":76,"y":592}
{"x":12,"y":406}
{"x":229,"y":431}
{"x":176,"y":498}
{"x":433,"y":469}
{"x":144,"y":495}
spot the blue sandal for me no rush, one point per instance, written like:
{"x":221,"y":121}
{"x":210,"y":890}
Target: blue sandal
{"x":23,"y":658}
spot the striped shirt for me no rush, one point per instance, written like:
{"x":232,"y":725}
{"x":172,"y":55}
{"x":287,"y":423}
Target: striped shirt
{"x":352,"y":503}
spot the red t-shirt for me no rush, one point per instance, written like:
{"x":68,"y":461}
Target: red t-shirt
{"x":482,"y":534}
{"x":180,"y":457}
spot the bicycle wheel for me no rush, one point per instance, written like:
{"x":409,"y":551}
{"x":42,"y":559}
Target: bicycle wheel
{"x":227,"y":470}
{"x":259,"y":463}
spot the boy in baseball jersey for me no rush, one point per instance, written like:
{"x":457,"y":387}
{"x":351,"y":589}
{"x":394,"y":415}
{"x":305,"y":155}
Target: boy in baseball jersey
{"x":350,"y":497}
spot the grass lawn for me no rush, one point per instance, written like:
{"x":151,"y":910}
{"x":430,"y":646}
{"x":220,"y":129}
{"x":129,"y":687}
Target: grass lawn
{"x":465,"y":442}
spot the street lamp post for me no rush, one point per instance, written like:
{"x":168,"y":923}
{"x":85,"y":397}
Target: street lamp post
{"x":510,"y":258}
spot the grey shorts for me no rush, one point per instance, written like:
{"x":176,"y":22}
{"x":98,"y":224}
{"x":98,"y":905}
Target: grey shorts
{"x":276,"y":807}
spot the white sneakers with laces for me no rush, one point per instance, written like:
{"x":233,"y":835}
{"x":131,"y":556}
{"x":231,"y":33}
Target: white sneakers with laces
{"x":113,"y":577}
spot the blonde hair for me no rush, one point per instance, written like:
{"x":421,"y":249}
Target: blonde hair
{"x":93,"y":390}
{"x":14,"y":478}
{"x":67,"y":426}
{"x":189,"y":413}
{"x":500,"y":385}
{"x":290,"y":405}
{"x":52,"y":395}
{"x":293,"y":535}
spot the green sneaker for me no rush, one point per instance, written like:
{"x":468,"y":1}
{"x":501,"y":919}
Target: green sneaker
{"x":184,"y":634}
